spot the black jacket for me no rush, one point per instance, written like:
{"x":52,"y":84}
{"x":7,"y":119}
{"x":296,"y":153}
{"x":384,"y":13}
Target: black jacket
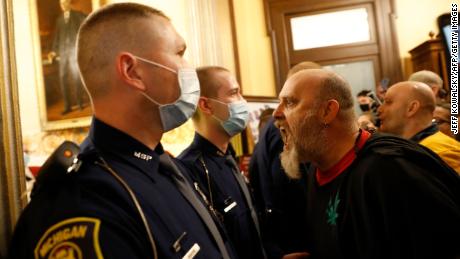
{"x":396,"y":200}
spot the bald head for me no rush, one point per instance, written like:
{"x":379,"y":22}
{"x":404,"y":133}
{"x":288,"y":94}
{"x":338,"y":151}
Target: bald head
{"x":415,"y":91}
{"x":302,"y":66}
{"x":109,"y":30}
{"x":323,"y":85}
{"x":315,"y":117}
{"x":407,"y":109}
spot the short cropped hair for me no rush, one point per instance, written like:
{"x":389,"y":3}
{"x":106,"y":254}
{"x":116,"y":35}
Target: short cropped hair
{"x":428,"y":77}
{"x":105,"y":32}
{"x":209,"y":86}
{"x":303,"y":65}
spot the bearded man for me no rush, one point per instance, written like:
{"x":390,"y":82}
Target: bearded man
{"x":368,"y":196}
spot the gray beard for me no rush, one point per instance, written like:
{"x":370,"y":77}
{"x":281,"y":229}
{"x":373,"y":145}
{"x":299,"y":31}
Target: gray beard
{"x":290,"y":162}
{"x":310,"y":143}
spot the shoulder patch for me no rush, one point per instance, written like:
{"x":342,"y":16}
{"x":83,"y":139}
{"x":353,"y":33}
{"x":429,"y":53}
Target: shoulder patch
{"x":71,"y":238}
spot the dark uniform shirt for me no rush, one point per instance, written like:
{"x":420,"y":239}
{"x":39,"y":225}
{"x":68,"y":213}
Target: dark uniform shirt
{"x":397,"y":199}
{"x":91,"y":214}
{"x":280,"y":201}
{"x":227,"y":196}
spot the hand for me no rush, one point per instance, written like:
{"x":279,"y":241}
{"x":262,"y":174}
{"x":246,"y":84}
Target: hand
{"x":300,"y":255}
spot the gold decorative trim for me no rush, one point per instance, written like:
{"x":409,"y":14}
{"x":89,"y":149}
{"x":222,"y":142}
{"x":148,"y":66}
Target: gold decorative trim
{"x":12,"y":178}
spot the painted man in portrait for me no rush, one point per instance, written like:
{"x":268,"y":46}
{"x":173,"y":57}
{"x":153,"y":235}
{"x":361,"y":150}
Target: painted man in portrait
{"x":63,"y":50}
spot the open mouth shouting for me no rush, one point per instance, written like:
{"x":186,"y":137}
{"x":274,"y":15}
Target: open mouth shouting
{"x":285,"y":137}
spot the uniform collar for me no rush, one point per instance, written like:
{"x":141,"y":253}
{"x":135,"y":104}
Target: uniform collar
{"x":108,"y":139}
{"x":209,"y":148}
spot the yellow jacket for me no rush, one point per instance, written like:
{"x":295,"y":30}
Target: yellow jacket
{"x":446,"y":147}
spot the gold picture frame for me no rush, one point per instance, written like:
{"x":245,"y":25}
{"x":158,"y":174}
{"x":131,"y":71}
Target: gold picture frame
{"x":63,"y":102}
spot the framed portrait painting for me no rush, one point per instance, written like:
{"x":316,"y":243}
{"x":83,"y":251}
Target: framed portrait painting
{"x":63,"y":102}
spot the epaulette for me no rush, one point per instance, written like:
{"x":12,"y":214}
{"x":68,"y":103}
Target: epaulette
{"x":55,"y":167}
{"x":85,"y":156}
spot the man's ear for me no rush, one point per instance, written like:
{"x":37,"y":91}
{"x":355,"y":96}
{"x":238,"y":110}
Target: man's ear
{"x":412,"y":108}
{"x":128,"y":70}
{"x":203,"y":105}
{"x":330,"y":111}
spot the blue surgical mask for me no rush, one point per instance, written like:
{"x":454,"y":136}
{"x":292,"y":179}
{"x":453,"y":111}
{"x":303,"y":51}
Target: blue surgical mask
{"x":177,"y":113}
{"x":238,"y":117}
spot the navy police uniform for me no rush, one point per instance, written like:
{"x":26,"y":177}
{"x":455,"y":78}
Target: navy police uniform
{"x":280,"y":201}
{"x":218,"y":180}
{"x":89,"y":214}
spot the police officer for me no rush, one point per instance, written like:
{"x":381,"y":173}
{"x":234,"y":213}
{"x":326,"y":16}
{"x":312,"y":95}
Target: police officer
{"x":125,"y":198}
{"x":222,"y":113}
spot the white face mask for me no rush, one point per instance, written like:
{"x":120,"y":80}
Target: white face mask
{"x":175,"y":114}
{"x":238,"y":117}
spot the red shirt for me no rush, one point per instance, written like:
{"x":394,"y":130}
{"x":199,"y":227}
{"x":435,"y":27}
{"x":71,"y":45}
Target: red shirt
{"x":324,"y":177}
